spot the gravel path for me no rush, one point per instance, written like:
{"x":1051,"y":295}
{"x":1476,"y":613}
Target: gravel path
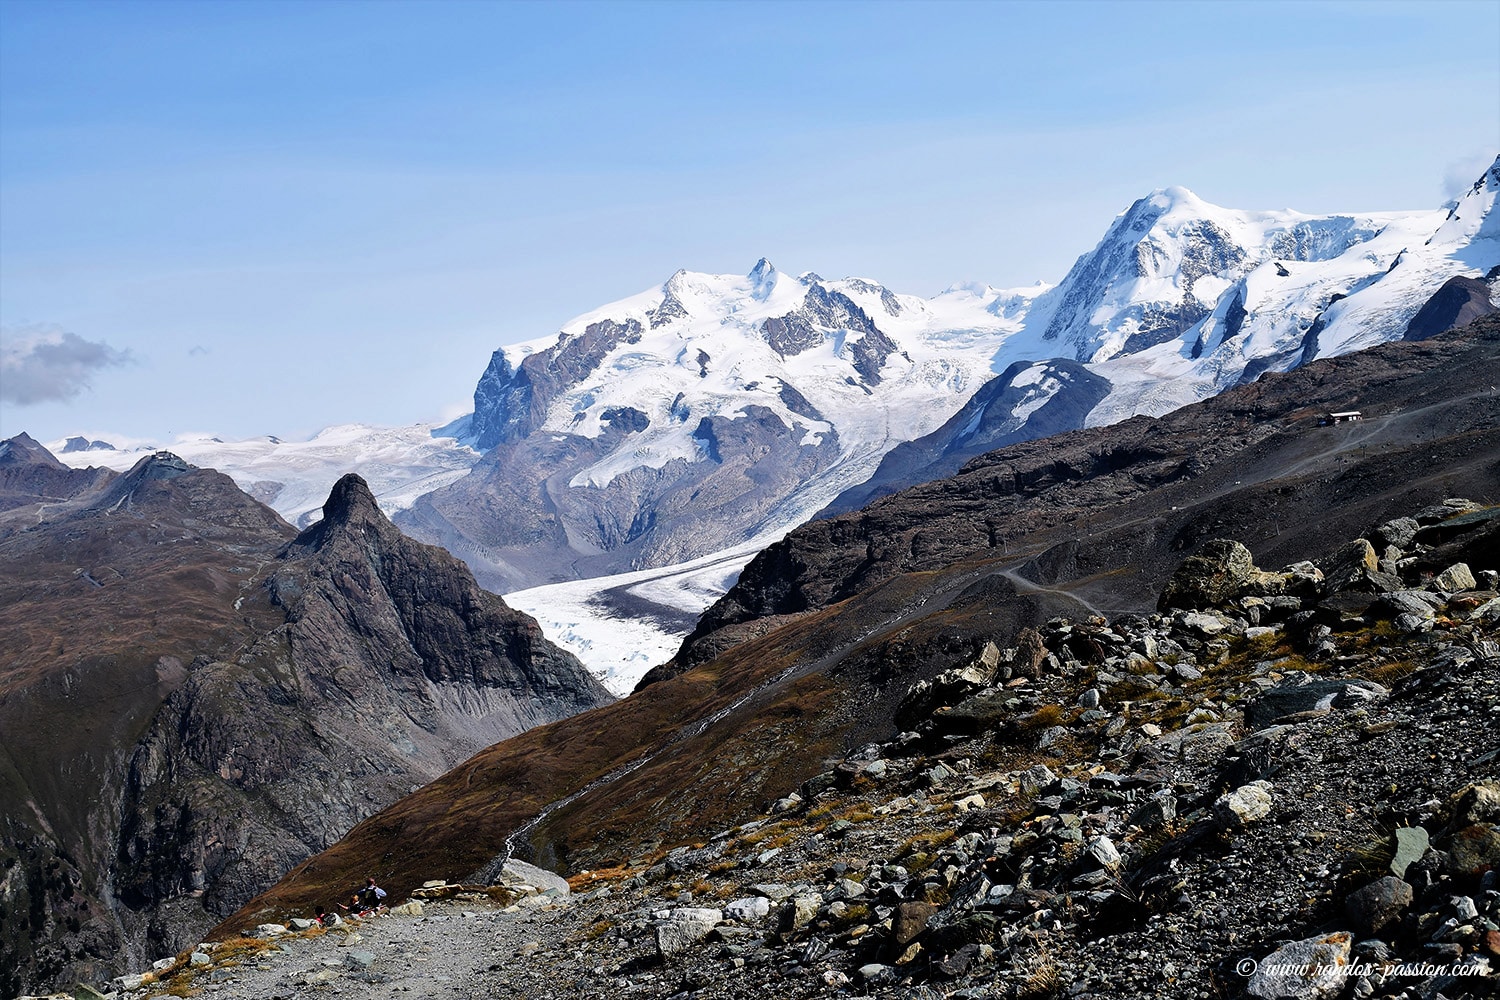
{"x":452,"y":951}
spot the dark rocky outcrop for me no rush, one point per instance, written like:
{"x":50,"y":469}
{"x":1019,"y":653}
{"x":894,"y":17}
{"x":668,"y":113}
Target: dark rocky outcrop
{"x":194,"y":698}
{"x":1460,"y":301}
{"x":510,"y":401}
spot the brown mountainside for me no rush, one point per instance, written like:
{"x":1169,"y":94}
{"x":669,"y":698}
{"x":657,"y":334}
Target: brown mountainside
{"x":812,"y":653}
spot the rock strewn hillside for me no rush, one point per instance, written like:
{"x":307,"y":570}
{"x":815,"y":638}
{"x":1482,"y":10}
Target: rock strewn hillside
{"x":1281,"y":786}
{"x":781,"y":695}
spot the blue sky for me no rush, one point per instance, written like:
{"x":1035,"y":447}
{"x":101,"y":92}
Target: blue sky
{"x":269,"y":217}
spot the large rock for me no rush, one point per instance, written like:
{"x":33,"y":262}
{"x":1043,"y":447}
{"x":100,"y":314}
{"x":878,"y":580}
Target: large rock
{"x":1352,"y":566}
{"x":1378,"y":903}
{"x":1476,"y":803}
{"x":1303,"y":693}
{"x":1453,"y":579}
{"x":539,"y":877}
{"x":748,"y":910}
{"x":1474,"y":849}
{"x":1398,"y":532}
{"x":684,"y":928}
{"x":1310,"y":969}
{"x":1214,"y":576}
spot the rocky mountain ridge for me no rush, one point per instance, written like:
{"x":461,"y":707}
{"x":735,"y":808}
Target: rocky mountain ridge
{"x":195,"y":697}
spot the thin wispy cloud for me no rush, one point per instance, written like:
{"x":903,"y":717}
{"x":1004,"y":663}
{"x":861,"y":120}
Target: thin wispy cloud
{"x":44,"y":363}
{"x":1462,"y":173}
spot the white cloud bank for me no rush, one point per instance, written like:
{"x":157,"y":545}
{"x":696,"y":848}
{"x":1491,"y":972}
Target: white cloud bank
{"x":43,"y":363}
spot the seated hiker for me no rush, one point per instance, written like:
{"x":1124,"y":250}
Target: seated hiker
{"x":371,"y":895}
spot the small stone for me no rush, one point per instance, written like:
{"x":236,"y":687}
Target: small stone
{"x":359,"y":959}
{"x":748,"y":910}
{"x":1244,"y":805}
{"x":798,"y":912}
{"x":975,"y":801}
{"x":910,"y":921}
{"x":1155,"y":812}
{"x":1411,"y":844}
{"x":1089,"y":698}
{"x":875,"y":974}
{"x":1103,"y":851}
{"x":302,"y":924}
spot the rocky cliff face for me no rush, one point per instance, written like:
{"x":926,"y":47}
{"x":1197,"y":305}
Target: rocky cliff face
{"x":209,"y":698}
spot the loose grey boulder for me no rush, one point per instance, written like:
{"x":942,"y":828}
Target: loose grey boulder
{"x":539,"y":877}
{"x":684,"y":928}
{"x":1398,"y":532}
{"x":748,"y":910}
{"x":1454,"y":579}
{"x":1310,"y":969}
{"x":1211,"y":577}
